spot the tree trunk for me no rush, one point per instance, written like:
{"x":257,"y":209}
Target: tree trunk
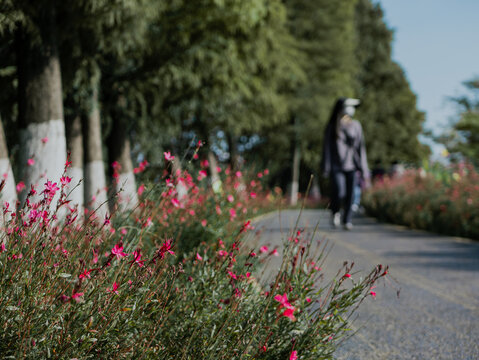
{"x":235,"y":162}
{"x":40,"y":106}
{"x":181,"y":187}
{"x":295,"y":180}
{"x":73,"y":127}
{"x":8,"y":193}
{"x":215,"y":178}
{"x":315,"y":189}
{"x":119,"y":152}
{"x":95,"y":195}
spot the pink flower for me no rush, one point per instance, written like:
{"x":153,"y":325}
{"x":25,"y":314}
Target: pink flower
{"x":275,"y":252}
{"x":114,"y":289}
{"x":222,"y":253}
{"x":283,"y":301}
{"x":198,"y":257}
{"x":107,"y":220}
{"x":175,"y":202}
{"x":232,"y":275}
{"x":373,"y":294}
{"x":347,"y":275}
{"x":294,"y":355}
{"x":246,"y":226}
{"x":204,"y":163}
{"x":76,"y":296}
{"x":148,"y":222}
{"x":85,"y":274}
{"x":141,"y":189}
{"x":44,"y":140}
{"x":204,"y":222}
{"x":20,"y":186}
{"x":230,"y":198}
{"x":232,"y":213}
{"x":65,"y":180}
{"x":238,"y":174}
{"x":118,"y":251}
{"x":308,"y":300}
{"x":289,"y":314}
{"x":263,"y":249}
{"x":137,"y":258}
{"x":2,"y":248}
{"x":50,"y":189}
{"x":166,"y":248}
{"x":168,"y":156}
{"x":201,"y":175}
{"x":252,"y":195}
{"x":248,"y":274}
{"x":30,"y":162}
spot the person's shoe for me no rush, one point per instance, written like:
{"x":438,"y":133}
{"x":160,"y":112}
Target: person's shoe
{"x":336,"y":219}
{"x":348,"y":226}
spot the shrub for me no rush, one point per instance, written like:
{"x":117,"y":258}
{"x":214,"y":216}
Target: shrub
{"x":442,"y":200}
{"x":122,"y":288}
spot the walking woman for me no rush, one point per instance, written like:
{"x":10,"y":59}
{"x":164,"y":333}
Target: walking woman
{"x":344,"y":153}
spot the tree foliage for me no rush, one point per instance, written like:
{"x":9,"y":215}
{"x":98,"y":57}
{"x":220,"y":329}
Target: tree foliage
{"x":264,"y":73}
{"x":389,"y":113}
{"x":462,"y":141}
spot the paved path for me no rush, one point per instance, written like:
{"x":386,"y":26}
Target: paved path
{"x":436,"y":315}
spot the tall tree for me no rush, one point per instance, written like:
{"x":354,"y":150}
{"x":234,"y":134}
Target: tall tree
{"x":324,"y":33}
{"x":389,"y":113}
{"x":462,"y":141}
{"x":8,"y":192}
{"x":40,"y":106}
{"x":110,"y":39}
{"x":223,"y":72}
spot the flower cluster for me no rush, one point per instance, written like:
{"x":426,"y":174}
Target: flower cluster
{"x":177,"y":277}
{"x":441,"y":199}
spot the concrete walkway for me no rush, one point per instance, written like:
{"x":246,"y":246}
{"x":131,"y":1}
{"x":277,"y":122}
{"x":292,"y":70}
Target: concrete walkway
{"x":436,"y":315}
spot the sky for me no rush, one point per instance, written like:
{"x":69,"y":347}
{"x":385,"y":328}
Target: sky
{"x":436,"y":43}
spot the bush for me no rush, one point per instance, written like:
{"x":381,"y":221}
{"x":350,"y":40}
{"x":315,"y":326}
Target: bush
{"x":132,"y":287}
{"x":442,"y":200}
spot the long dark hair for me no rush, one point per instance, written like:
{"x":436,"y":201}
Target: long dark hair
{"x":333,"y":124}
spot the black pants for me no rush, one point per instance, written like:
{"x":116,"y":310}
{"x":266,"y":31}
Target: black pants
{"x":342,"y":186}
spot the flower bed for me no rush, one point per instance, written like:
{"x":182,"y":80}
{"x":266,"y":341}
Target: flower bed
{"x":172,"y":279}
{"x":442,"y":200}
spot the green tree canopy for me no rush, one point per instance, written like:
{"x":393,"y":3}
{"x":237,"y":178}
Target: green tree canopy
{"x":462,"y":141}
{"x":389,"y":113}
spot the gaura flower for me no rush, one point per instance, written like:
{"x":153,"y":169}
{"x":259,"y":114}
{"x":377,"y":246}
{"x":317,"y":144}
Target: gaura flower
{"x":137,"y":258}
{"x":114,"y":289}
{"x":118,"y":251}
{"x":168,"y":156}
{"x":283,"y":301}
{"x":294,"y":355}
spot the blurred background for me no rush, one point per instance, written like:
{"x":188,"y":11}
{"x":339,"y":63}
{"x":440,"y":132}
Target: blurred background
{"x":124,"y":81}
